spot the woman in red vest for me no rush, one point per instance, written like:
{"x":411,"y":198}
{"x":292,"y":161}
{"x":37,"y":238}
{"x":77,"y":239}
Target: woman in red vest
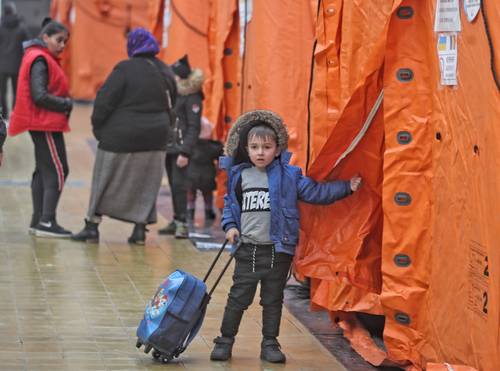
{"x":43,"y":107}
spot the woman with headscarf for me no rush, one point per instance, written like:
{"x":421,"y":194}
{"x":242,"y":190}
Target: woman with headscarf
{"x":130,"y":119}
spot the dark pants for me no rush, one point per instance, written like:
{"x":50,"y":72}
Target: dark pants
{"x":254,"y":264}
{"x":3,"y":91}
{"x":51,"y":171}
{"x":208,"y":199}
{"x":177,"y":178}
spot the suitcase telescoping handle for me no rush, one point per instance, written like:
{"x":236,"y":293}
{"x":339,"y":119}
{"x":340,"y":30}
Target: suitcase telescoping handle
{"x":237,"y":246}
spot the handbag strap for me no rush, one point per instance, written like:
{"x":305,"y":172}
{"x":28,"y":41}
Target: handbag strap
{"x":163,"y":80}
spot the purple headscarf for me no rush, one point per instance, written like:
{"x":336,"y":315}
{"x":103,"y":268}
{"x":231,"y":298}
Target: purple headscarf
{"x":141,"y":41}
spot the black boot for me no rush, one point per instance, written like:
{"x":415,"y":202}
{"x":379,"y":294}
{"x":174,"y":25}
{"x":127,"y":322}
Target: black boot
{"x":138,"y":236}
{"x":89,"y":233}
{"x":223,"y":348}
{"x":270,"y":351}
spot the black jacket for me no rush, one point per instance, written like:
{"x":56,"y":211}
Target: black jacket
{"x":184,"y":134}
{"x":201,"y":170}
{"x":131,"y":108}
{"x":3,"y":133}
{"x":12,"y":35}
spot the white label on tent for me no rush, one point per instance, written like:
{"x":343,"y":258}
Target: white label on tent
{"x":72,"y":15}
{"x":471,"y":8}
{"x":167,"y":20}
{"x":447,"y":16}
{"x":447,"y":53}
{"x":245,"y":10}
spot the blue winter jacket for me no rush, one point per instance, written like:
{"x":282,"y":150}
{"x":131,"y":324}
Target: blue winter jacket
{"x":287,"y":185}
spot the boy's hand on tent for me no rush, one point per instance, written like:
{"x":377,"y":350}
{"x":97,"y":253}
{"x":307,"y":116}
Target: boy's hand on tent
{"x":356,"y":182}
{"x":232,"y":235}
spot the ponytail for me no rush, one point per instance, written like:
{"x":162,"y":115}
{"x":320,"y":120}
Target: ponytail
{"x":50,"y":27}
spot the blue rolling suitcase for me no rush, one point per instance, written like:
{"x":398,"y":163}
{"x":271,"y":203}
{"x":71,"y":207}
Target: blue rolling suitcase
{"x":175,"y":314}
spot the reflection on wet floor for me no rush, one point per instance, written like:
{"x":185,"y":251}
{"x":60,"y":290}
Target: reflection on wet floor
{"x":72,"y":306}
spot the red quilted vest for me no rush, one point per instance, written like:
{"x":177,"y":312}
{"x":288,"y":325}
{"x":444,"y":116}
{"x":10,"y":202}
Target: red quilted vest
{"x":26,"y":115}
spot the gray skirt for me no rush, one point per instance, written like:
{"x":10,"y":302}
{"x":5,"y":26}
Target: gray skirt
{"x":125,"y":185}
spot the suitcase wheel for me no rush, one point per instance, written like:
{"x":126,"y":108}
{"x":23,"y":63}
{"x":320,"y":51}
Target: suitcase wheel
{"x":161,"y":357}
{"x":147,"y":348}
{"x":138,"y":344}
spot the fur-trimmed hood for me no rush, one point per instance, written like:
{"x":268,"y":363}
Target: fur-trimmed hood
{"x":192,"y":84}
{"x":248,"y":120}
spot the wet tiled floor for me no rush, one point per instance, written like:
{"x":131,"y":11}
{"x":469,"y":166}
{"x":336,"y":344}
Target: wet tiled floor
{"x":72,"y":306}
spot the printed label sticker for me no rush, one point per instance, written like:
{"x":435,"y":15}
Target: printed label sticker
{"x":447,"y":16}
{"x":447,"y":53}
{"x":471,"y":8}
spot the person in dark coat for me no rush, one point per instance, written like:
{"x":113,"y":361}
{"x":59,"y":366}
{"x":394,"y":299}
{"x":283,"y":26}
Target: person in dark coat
{"x":3,"y":134}
{"x":130,"y":121}
{"x":12,"y":35}
{"x":202,"y":172}
{"x":183,"y":136}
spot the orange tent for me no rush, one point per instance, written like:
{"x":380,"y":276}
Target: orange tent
{"x":358,"y":84}
{"x":181,"y":27}
{"x":378,"y":251}
{"x":98,"y":38}
{"x":236,"y":81}
{"x":440,"y":194}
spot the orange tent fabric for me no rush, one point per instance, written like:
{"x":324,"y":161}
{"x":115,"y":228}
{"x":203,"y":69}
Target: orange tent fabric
{"x":222,"y":101}
{"x":181,"y":27}
{"x":237,"y":84}
{"x":350,"y":249}
{"x":444,"y":306}
{"x":276,"y":65}
{"x":223,"y":85}
{"x":342,"y":256}
{"x":98,"y":38}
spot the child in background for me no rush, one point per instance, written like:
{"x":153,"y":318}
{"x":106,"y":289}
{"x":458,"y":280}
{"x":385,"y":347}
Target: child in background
{"x":260,"y":209}
{"x":201,"y":172}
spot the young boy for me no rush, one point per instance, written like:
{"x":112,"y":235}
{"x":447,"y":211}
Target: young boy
{"x":260,"y":209}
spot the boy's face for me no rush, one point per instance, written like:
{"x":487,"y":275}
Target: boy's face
{"x":262,"y":151}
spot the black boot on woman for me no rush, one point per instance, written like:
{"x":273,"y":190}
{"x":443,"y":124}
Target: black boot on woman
{"x":138,"y":236}
{"x":90,"y":233}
